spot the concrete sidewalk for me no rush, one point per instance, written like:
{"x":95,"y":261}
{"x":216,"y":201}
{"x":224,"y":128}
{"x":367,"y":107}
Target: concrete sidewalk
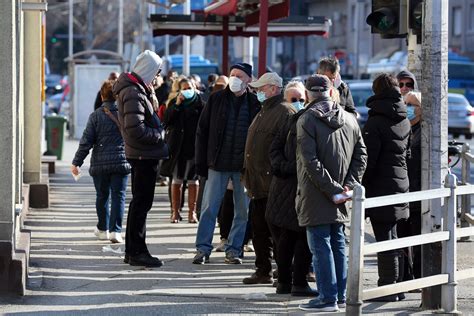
{"x":71,"y":272}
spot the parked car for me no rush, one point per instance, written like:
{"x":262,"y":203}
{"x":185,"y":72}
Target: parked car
{"x":361,"y":90}
{"x":53,"y":84}
{"x":460,"y":116}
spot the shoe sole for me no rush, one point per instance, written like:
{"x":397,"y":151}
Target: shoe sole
{"x":139,"y":264}
{"x":232,"y":262}
{"x":201,"y":262}
{"x":252,"y":282}
{"x":319,"y":310}
{"x":116,"y":241}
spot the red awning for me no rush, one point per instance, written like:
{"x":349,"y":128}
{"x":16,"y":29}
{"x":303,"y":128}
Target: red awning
{"x":222,"y":7}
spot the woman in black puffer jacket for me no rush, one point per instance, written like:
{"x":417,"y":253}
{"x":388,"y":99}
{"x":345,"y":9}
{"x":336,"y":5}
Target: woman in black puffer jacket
{"x":108,"y":167}
{"x":293,"y":256}
{"x":386,"y":135}
{"x":181,"y":119}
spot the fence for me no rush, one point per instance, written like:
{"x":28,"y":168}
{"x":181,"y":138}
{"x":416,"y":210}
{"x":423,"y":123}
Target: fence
{"x":448,"y":236}
{"x":467,"y":158}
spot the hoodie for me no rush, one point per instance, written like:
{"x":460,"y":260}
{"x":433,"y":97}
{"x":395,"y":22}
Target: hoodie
{"x":330,"y":154}
{"x":407,"y":74}
{"x":147,"y":66}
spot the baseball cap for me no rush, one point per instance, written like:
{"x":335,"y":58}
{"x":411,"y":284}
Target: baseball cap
{"x":318,"y":83}
{"x":271,"y":78}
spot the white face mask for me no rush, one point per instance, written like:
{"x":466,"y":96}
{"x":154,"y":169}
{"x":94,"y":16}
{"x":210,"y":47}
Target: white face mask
{"x":337,"y":81}
{"x":235,"y":84}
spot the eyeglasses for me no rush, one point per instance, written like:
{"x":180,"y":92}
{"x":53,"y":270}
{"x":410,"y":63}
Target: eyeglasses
{"x":406,"y":84}
{"x":297,"y":100}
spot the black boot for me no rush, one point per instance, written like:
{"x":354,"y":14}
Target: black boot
{"x":387,"y":264}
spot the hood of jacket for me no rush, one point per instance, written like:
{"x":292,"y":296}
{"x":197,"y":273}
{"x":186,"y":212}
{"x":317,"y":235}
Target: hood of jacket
{"x":389,"y":104}
{"x":327,"y":111}
{"x":407,"y":74}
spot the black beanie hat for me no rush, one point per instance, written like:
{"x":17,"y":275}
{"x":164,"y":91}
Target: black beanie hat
{"x":244,"y":67}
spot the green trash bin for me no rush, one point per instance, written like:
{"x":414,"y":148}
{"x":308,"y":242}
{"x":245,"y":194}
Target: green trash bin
{"x":55,"y":128}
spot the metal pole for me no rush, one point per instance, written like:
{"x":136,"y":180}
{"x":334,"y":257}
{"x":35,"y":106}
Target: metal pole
{"x":248,"y":50}
{"x":449,"y":260}
{"x":465,"y":179}
{"x":359,"y":18}
{"x":167,"y":37}
{"x":434,"y":90}
{"x":141,"y":26}
{"x":120,"y":29}
{"x":262,"y":42}
{"x":90,"y":24}
{"x":356,"y":254}
{"x":225,"y":45}
{"x":186,"y":42}
{"x":71,"y":29}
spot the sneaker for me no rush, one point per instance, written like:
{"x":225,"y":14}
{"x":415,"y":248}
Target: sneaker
{"x":317,"y":306}
{"x":311,"y":277}
{"x":201,"y":257}
{"x":341,"y":304}
{"x":301,"y":290}
{"x":248,"y":248}
{"x":232,"y":258}
{"x":116,"y":237}
{"x":221,"y":246}
{"x":258,"y":279}
{"x":146,"y":260}
{"x":101,"y":234}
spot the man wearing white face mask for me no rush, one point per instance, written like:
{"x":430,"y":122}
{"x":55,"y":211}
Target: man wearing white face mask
{"x":220,"y":143}
{"x":330,"y":68}
{"x":257,"y":168}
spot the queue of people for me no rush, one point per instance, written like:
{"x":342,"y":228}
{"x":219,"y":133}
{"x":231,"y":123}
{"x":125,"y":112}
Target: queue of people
{"x":275,"y":160}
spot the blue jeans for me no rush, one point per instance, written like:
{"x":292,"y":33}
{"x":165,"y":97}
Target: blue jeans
{"x":114,"y":185}
{"x":214,"y":190}
{"x":327,"y":244}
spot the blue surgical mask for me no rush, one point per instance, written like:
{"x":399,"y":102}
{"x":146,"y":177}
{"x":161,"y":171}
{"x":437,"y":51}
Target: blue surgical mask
{"x":188,"y":94}
{"x":261,"y":96}
{"x":298,"y":105}
{"x":411,"y":112}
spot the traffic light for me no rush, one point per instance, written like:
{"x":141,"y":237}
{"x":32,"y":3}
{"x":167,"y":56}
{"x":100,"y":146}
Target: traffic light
{"x":415,"y":18}
{"x":389,"y":18}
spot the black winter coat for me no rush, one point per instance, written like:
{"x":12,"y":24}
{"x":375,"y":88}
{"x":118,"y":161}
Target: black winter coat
{"x":141,"y":128}
{"x":281,"y":210}
{"x":386,"y":135}
{"x":103,"y":136}
{"x":345,"y":96}
{"x":181,"y":124}
{"x":211,"y":128}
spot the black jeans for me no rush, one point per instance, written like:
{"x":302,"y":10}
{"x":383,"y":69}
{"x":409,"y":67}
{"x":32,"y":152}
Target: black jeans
{"x":226,"y":217}
{"x":293,"y":254}
{"x":144,"y":174}
{"x":262,"y":239}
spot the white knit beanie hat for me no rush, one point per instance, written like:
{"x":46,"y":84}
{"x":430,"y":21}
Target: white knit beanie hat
{"x":147,"y":65}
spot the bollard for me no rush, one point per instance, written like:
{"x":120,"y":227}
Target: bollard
{"x":356,"y":255}
{"x":448,"y":266}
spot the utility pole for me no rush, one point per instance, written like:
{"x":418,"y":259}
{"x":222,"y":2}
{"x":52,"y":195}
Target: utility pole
{"x":186,"y":41}
{"x":120,"y":29}
{"x":70,"y":29}
{"x":434,"y":88}
{"x":90,"y":24}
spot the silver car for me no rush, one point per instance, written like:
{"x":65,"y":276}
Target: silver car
{"x":460,"y":116}
{"x":361,"y":90}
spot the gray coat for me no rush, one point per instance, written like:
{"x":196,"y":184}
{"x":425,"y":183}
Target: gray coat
{"x":330,"y":154}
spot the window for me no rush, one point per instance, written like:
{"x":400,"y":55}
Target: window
{"x":456,"y":23}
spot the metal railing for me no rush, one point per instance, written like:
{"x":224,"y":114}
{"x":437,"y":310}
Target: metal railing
{"x":466,"y":158}
{"x":448,"y":236}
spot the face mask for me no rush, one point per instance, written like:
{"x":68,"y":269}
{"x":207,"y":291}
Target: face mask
{"x":235,"y":84}
{"x":261,"y":96}
{"x":337,"y":81}
{"x":188,"y":94}
{"x":411,"y":112}
{"x":298,"y":106}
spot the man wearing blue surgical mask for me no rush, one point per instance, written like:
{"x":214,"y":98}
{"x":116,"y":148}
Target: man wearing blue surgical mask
{"x":257,"y":173}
